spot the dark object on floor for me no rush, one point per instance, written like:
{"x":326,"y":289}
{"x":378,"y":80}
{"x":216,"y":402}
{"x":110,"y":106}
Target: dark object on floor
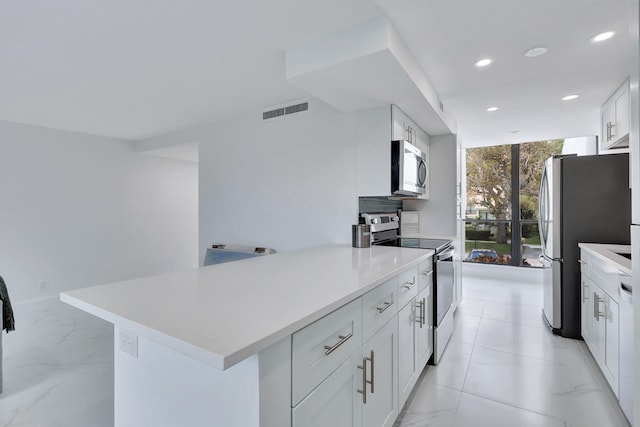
{"x":8,"y":322}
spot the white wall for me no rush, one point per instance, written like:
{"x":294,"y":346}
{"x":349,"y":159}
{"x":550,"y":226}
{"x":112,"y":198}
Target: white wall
{"x":286,"y":183}
{"x":78,"y":210}
{"x":438,"y":214}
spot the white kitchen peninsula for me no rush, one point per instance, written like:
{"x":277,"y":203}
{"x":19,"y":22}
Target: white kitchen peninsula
{"x":216,"y":345}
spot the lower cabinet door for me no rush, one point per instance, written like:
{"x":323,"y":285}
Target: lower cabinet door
{"x":381,"y":355}
{"x":407,"y":352}
{"x":612,"y":342}
{"x":599,"y":330}
{"x":424,"y":330}
{"x":586,"y":314}
{"x":336,"y":401}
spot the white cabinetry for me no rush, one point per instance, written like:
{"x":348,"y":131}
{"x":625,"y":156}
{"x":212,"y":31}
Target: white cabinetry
{"x":407,"y":349}
{"x":415,"y":332}
{"x":600,"y":315}
{"x":321,"y":347}
{"x":615,"y":119}
{"x":380,"y":385}
{"x":358,"y":374}
{"x":336,"y":401}
{"x":403,"y":128}
{"x":376,"y":128}
{"x":361,"y":392}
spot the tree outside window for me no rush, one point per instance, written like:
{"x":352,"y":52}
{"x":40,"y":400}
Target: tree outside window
{"x":491,"y":222}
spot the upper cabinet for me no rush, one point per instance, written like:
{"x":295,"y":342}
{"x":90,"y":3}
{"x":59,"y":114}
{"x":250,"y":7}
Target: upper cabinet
{"x":376,"y":128}
{"x":403,"y":128}
{"x":615,"y":119}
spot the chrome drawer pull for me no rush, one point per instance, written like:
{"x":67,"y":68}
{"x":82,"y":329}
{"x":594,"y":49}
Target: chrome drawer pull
{"x":384,"y":307}
{"x":427,"y":273}
{"x":409,"y":285}
{"x":330,"y":348}
{"x":582,"y":262}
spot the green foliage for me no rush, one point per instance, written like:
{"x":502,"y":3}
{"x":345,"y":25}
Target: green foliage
{"x":489,"y":176}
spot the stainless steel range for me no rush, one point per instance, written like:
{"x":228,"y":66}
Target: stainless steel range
{"x":384,"y":231}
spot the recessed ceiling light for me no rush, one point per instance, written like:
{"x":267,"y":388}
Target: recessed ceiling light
{"x":570,"y":97}
{"x":490,"y":109}
{"x":516,"y":132}
{"x":483,"y":62}
{"x":602,"y":36}
{"x":536,"y":51}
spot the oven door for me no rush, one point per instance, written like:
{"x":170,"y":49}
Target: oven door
{"x":444,"y":283}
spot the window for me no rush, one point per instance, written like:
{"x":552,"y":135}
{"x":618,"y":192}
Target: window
{"x":492,"y":224}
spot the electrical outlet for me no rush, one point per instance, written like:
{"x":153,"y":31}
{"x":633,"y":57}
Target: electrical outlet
{"x":42,"y":286}
{"x":128,"y":343}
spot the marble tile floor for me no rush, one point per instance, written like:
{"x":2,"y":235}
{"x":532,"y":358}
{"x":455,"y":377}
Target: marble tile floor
{"x":503,"y":367}
{"x":58,"y":368}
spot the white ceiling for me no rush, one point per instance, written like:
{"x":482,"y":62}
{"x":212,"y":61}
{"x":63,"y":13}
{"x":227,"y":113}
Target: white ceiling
{"x":138,"y":69}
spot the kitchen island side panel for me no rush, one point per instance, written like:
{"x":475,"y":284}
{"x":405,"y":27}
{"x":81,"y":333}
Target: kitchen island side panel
{"x":165,"y":388}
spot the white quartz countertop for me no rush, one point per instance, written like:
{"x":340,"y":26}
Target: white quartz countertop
{"x":609,"y":253}
{"x":222,"y":314}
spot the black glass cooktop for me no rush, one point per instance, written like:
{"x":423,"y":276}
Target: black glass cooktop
{"x":409,"y":242}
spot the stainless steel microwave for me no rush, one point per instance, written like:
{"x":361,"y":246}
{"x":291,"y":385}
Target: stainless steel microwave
{"x":409,"y":172}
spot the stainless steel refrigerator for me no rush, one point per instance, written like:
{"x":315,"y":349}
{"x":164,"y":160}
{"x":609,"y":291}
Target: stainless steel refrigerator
{"x":582,"y":199}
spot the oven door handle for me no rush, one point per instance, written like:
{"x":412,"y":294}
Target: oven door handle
{"x":446,"y":254}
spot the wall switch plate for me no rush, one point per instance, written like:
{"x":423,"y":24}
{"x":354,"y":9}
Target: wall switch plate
{"x":128,"y":343}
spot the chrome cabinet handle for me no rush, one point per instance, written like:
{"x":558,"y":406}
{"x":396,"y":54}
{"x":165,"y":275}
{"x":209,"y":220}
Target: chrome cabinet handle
{"x":596,"y":307}
{"x":373,"y":371}
{"x":384,"y":307}
{"x":585,"y":295}
{"x":364,"y":380}
{"x":423,"y":304}
{"x":421,"y":316}
{"x":583,"y":262}
{"x":427,"y":273}
{"x":409,"y":285}
{"x":343,"y":338}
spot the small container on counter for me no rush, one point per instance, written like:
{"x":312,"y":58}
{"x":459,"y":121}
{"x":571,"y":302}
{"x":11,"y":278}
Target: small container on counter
{"x":360,"y":236}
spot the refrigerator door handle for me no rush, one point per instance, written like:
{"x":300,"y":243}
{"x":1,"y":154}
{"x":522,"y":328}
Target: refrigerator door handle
{"x":542,"y":257}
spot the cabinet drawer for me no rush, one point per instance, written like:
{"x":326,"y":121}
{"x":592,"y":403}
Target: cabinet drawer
{"x":425,"y":274}
{"x":321,"y":347}
{"x":604,"y":275}
{"x":379,"y":306}
{"x":407,"y":286}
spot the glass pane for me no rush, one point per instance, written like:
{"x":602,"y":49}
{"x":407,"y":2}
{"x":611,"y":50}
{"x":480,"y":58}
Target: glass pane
{"x":532,"y":157}
{"x":531,"y":247}
{"x":488,"y":242}
{"x":489,"y":183}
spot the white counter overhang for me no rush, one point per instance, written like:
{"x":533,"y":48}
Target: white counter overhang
{"x":224,"y":313}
